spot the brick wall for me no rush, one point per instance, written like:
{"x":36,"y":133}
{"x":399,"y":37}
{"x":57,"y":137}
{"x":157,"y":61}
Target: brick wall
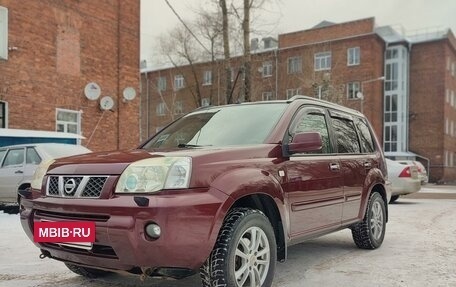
{"x":343,"y":30}
{"x":62,"y":46}
{"x":427,"y":97}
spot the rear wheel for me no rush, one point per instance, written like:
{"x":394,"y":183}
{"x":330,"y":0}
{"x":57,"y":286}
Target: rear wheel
{"x":369,"y":233}
{"x":245,"y":253}
{"x":86,"y":271}
{"x":394,"y":198}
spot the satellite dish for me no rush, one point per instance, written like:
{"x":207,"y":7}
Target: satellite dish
{"x":92,"y":91}
{"x":129,"y":93}
{"x":359,"y":95}
{"x":106,"y":103}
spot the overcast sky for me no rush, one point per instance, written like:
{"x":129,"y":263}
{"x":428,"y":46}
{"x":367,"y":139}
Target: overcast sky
{"x":294,"y":15}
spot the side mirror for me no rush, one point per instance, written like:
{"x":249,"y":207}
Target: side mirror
{"x":305,"y":142}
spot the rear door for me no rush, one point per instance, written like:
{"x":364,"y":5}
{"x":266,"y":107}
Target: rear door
{"x":11,"y":173}
{"x":355,"y":164}
{"x":314,"y":183}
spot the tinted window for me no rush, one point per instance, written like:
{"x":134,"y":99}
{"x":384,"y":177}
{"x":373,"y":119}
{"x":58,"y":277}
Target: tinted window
{"x":227,"y":126}
{"x":14,"y":157}
{"x":32,"y":156}
{"x":367,"y":143}
{"x":347,"y":139}
{"x":314,"y":123}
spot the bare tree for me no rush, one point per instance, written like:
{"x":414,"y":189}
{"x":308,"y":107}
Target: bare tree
{"x":226,"y":48}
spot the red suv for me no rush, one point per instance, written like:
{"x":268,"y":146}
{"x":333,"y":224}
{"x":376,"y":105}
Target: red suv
{"x":223,"y":190}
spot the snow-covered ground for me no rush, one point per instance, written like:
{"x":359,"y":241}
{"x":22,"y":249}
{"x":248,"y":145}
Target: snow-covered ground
{"x":419,"y":250}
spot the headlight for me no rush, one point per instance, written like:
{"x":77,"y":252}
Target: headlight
{"x":154,"y":174}
{"x":40,"y":172}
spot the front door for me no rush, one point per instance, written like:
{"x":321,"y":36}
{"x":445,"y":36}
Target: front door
{"x":11,"y":173}
{"x":314,"y":181}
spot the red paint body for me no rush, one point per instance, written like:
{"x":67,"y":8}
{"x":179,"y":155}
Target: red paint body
{"x":310,"y":198}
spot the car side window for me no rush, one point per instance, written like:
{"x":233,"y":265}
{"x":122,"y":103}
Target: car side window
{"x":314,"y":122}
{"x":2,"y":154}
{"x":347,"y":139}
{"x":367,"y":143}
{"x":32,"y":156}
{"x":14,"y":157}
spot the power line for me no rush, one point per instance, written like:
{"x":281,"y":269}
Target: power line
{"x":186,"y":27}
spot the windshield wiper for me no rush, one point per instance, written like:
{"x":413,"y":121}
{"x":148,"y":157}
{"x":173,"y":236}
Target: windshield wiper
{"x":182,"y":145}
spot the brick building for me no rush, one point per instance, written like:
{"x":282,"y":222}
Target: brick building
{"x":53,"y":50}
{"x":404,"y":84}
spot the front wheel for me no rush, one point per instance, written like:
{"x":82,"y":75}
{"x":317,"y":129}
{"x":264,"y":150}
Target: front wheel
{"x":245,"y":253}
{"x":369,"y":233}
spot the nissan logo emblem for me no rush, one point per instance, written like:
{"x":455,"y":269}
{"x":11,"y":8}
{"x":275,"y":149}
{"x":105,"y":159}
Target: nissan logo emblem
{"x":69,"y":186}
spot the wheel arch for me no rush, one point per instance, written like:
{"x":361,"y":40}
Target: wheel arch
{"x":256,"y":189}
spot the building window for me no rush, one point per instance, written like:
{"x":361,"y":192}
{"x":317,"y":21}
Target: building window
{"x":178,"y":82}
{"x":353,"y":56}
{"x":294,"y":65}
{"x":392,"y":76}
{"x":390,"y":108}
{"x":205,"y":102}
{"x":161,"y":84}
{"x":452,"y":99}
{"x":447,"y":126}
{"x":352,"y":90}
{"x":68,"y":121}
{"x":267,"y":69}
{"x":293,"y":92}
{"x":178,"y":108}
{"x":447,"y":96}
{"x":3,"y":33}
{"x":322,"y":61}
{"x":3,"y":115}
{"x":161,"y":109}
{"x":207,"y":78}
{"x":452,"y":128}
{"x":232,"y":74}
{"x":453,"y":69}
{"x":267,"y":96}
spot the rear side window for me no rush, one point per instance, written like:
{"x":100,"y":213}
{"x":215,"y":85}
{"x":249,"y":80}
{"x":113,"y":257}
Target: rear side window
{"x":14,"y":157}
{"x":366,"y":140}
{"x":32,"y":156}
{"x":347,"y":139}
{"x":2,"y":154}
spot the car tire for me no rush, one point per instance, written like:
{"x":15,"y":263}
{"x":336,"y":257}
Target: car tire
{"x":235,"y":259}
{"x":394,"y":198}
{"x":369,"y":233}
{"x":86,"y":271}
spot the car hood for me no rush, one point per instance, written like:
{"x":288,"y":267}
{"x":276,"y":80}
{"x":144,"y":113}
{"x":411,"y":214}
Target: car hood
{"x":101,"y":163}
{"x":115,"y":162}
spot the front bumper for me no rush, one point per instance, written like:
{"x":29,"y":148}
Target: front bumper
{"x":189,"y":221}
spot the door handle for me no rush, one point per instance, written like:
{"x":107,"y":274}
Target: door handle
{"x":18,"y":171}
{"x":367,"y":164}
{"x":334,"y":167}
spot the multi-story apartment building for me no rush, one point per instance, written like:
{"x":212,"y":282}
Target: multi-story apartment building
{"x":51,"y":50}
{"x":404,"y":85}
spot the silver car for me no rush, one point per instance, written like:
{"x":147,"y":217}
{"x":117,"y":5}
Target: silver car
{"x":18,"y":164}
{"x":404,"y":179}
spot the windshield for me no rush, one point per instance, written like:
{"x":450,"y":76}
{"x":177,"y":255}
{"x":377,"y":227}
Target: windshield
{"x":226,"y":126}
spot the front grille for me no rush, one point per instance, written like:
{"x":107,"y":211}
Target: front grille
{"x":75,"y":186}
{"x":94,"y":187}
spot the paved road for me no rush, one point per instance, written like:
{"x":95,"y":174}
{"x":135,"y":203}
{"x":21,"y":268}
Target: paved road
{"x":419,"y":250}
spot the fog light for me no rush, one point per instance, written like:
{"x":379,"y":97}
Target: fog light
{"x":153,"y":230}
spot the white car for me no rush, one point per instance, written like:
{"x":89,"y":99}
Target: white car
{"x":404,"y":179}
{"x":18,"y":164}
{"x":422,"y":173}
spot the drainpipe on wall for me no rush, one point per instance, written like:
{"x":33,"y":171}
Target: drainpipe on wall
{"x":276,"y":73}
{"x":118,"y":74}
